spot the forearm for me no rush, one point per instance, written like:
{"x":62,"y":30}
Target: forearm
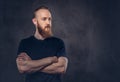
{"x":53,"y":69}
{"x":59,"y":67}
{"x":34,"y":65}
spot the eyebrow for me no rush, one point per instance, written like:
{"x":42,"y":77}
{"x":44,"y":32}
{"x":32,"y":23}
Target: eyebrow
{"x":47,"y":17}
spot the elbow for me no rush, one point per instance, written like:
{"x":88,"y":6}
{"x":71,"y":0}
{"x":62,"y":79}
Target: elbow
{"x":62,"y":70}
{"x":63,"y":65}
{"x":23,"y":70}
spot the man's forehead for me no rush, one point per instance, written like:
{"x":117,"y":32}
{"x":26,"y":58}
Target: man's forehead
{"x":43,"y":12}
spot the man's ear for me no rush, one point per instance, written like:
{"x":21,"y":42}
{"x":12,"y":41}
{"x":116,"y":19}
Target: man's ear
{"x":34,"y":20}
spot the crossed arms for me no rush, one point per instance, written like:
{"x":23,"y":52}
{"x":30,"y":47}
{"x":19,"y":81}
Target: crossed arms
{"x":48,"y":65}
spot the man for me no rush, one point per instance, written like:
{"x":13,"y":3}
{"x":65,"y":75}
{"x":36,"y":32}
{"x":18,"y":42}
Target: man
{"x":42,"y":57}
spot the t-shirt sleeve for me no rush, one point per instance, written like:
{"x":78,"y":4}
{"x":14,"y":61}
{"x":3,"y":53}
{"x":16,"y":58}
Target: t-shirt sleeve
{"x":21,"y":47}
{"x":61,"y":50}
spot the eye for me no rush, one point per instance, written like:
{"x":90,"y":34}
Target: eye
{"x":49,"y":19}
{"x":44,"y":18}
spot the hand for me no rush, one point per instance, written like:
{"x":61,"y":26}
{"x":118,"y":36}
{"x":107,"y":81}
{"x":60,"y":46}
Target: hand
{"x":21,"y":64}
{"x":24,"y":56}
{"x":54,"y":59}
{"x":21,"y":61}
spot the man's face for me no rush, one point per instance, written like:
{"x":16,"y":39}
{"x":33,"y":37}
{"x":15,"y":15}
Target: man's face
{"x":43,"y":22}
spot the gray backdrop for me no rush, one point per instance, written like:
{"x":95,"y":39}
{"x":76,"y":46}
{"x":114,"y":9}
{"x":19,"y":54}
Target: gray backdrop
{"x":89,"y":28}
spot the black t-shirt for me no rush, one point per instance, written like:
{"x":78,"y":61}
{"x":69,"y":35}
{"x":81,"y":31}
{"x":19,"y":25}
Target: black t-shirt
{"x":38,"y":49}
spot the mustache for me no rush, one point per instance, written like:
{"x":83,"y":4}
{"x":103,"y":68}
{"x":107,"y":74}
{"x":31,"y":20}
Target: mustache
{"x":48,"y":26}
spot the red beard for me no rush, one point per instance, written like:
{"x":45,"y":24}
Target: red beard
{"x":46,"y":32}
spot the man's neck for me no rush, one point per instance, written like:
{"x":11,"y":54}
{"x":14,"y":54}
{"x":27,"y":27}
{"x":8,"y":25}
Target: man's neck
{"x":38,"y":36}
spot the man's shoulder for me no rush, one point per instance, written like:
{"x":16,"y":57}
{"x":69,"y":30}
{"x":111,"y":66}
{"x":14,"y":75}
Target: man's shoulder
{"x":57,"y":39}
{"x":27,"y":39}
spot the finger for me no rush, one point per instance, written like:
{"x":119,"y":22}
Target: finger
{"x":20,"y":57}
{"x":24,"y":56}
{"x":22,"y":53}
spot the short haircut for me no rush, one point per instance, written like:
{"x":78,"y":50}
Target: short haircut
{"x":38,"y":8}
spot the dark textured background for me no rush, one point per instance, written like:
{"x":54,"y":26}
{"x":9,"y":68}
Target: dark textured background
{"x":89,"y":28}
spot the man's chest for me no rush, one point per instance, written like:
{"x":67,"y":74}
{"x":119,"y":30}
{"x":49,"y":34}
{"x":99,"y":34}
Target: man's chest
{"x":42,"y":50}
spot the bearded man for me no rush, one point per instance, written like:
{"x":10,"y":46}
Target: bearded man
{"x":42,"y":57}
